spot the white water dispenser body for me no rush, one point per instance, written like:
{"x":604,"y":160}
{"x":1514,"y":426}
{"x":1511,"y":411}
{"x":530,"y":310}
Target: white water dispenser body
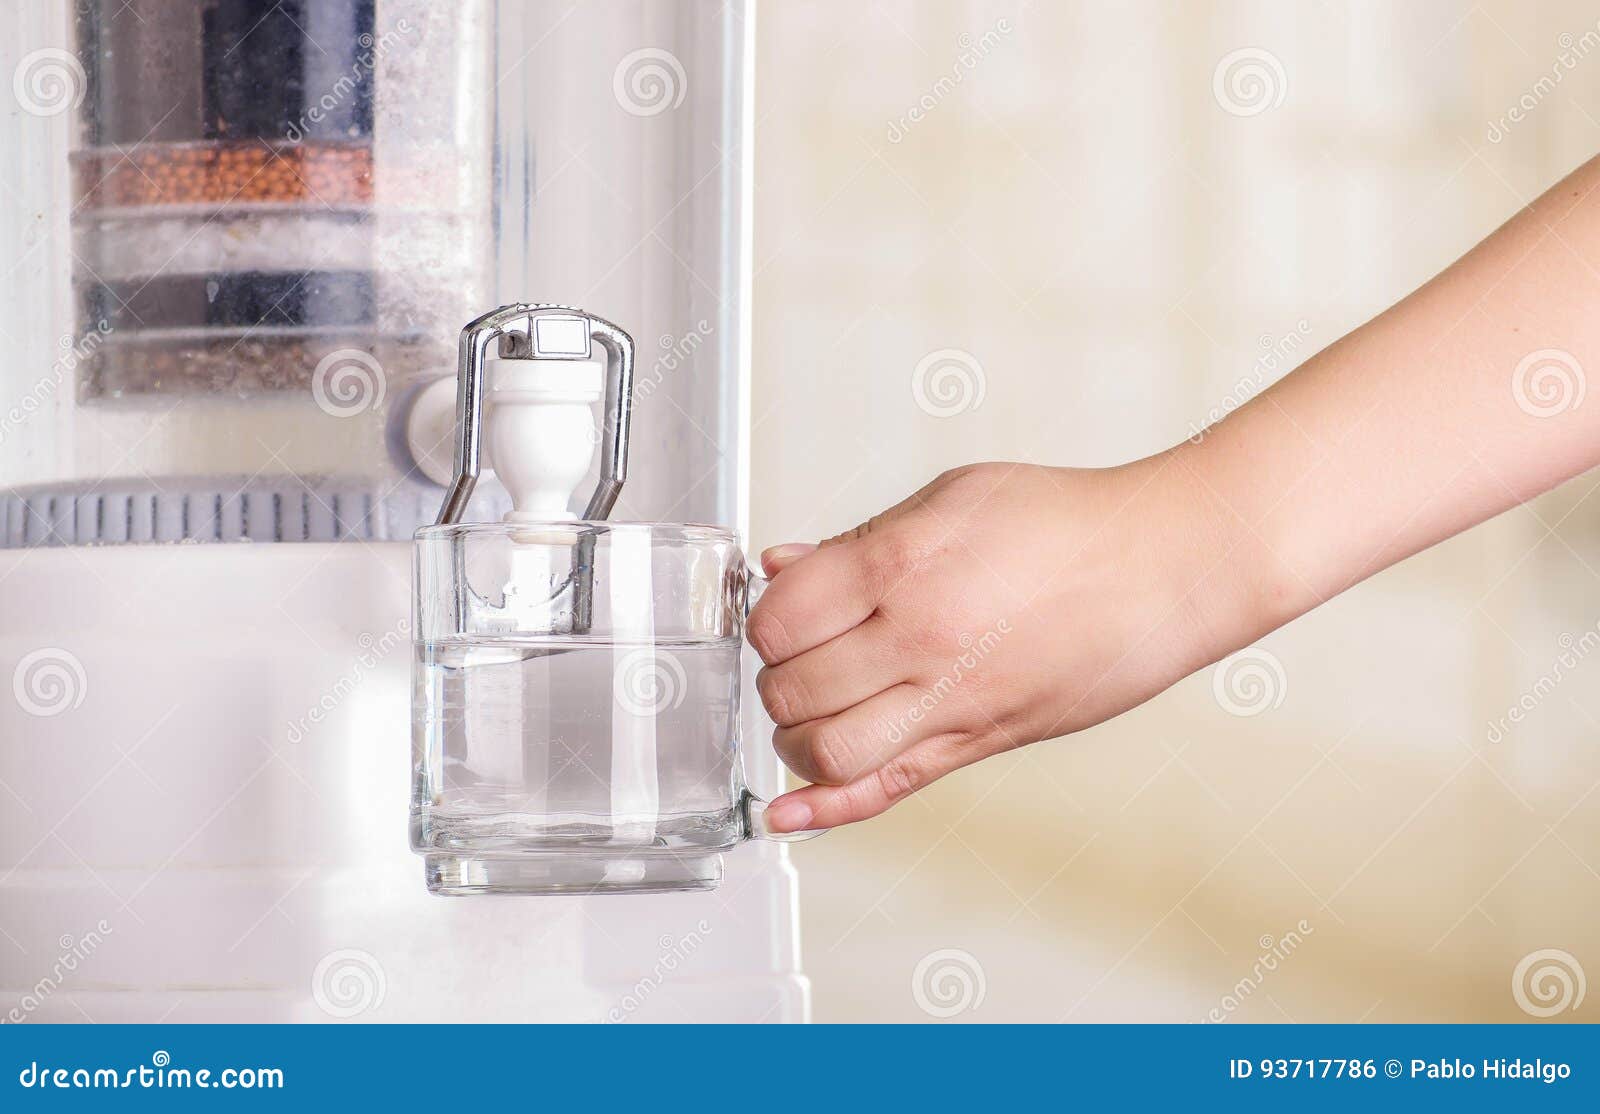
{"x":230,"y":310}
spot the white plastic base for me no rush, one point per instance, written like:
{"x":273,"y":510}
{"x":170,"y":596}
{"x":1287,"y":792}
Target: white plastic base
{"x":204,"y":772}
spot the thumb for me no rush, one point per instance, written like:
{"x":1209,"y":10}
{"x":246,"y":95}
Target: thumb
{"x":780,"y":557}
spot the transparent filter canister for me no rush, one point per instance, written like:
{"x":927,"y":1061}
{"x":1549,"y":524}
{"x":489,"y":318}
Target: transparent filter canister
{"x":279,"y":213}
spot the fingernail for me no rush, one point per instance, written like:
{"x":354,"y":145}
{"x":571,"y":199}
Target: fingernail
{"x":782,"y":554}
{"x":788,"y":816}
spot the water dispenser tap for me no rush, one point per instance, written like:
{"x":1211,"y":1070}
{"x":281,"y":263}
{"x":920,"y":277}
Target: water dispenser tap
{"x":538,"y":396}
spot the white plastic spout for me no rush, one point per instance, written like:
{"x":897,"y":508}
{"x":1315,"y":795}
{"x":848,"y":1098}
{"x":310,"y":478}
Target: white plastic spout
{"x":540,"y":429}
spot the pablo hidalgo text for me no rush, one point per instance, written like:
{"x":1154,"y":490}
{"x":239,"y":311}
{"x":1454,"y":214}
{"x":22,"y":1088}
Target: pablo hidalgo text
{"x":1491,"y":1069}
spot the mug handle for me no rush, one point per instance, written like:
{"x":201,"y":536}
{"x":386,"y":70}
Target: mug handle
{"x":755,"y":808}
{"x":755,"y":824}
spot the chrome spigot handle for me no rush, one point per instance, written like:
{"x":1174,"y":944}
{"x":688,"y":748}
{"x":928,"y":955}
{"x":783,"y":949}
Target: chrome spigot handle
{"x":541,"y":332}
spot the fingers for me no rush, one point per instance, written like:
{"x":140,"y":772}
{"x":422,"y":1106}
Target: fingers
{"x":828,"y":806}
{"x":836,"y":750}
{"x":818,"y":597}
{"x":837,"y":675}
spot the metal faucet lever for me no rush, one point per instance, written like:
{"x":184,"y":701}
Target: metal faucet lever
{"x":541,"y":332}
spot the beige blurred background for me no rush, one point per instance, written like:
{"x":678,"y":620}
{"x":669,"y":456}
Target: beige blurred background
{"x":1117,"y":251}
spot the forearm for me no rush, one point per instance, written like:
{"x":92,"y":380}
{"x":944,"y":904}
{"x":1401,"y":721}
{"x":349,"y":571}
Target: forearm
{"x":1433,"y":417}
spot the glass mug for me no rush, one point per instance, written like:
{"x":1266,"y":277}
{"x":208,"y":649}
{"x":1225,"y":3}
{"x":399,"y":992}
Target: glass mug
{"x":575,"y":714}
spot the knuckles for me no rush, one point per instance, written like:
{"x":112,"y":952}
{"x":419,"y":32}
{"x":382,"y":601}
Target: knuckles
{"x":767,"y":635}
{"x":980,"y":477}
{"x":780,"y":696}
{"x":900,"y":777}
{"x":820,"y":755}
{"x":950,"y":477}
{"x":829,"y":757}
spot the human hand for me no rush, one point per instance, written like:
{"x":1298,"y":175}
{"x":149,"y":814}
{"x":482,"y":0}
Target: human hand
{"x":887,"y":662}
{"x":1000,"y":605}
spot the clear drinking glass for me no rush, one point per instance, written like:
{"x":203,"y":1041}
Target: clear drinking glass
{"x":576,"y":707}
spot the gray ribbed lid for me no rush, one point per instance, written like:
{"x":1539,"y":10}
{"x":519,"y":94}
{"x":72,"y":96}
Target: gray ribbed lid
{"x":213,"y":509}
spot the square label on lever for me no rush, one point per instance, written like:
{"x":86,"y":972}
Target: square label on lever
{"x":561,"y":336}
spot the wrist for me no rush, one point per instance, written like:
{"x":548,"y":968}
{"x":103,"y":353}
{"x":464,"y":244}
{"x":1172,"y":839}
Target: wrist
{"x":1222,"y":569}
